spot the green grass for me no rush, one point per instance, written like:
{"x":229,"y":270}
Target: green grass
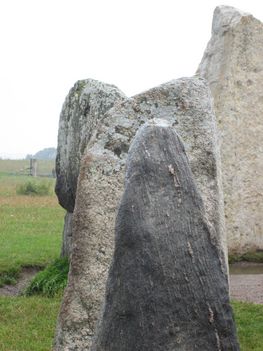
{"x":27,"y":323}
{"x":19,"y":167}
{"x":9,"y":276}
{"x":249,"y":320}
{"x":51,"y":281}
{"x":34,"y":188}
{"x":256,"y":256}
{"x":30,"y":228}
{"x":10,"y":183}
{"x":30,"y":235}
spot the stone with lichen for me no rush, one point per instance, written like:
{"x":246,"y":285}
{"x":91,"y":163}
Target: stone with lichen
{"x":82,"y":110}
{"x":186,"y":105}
{"x":233,"y":67}
{"x":166,"y":288}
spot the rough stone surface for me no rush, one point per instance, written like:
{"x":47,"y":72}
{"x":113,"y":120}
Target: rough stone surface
{"x":186,"y":104}
{"x":166,"y":288}
{"x":233,"y":66}
{"x":67,"y":235}
{"x":83,"y":108}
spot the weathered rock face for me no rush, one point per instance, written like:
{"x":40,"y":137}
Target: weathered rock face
{"x":166,"y":288}
{"x":186,"y":105}
{"x":233,"y":66}
{"x":67,"y":235}
{"x":83,"y":108}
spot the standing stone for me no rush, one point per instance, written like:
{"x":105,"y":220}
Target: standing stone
{"x":186,"y":104}
{"x":67,"y":235}
{"x":233,"y":66}
{"x":166,"y":288}
{"x":83,"y":108}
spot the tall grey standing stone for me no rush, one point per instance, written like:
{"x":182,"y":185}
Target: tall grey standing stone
{"x":186,"y":104}
{"x":166,"y":288}
{"x":83,"y":108}
{"x":233,"y":66}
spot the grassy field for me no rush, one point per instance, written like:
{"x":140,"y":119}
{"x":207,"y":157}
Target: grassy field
{"x":21,"y":167}
{"x":27,"y":323}
{"x":30,"y":226}
{"x":30,"y":235}
{"x":249,"y":321}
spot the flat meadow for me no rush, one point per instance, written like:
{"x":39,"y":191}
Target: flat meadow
{"x":30,"y":226}
{"x":30,"y":236}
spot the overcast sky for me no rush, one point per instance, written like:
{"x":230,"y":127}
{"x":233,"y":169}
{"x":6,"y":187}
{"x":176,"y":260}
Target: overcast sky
{"x":47,"y":45}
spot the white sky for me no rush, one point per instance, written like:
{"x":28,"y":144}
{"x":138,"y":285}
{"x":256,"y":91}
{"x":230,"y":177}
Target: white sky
{"x":47,"y":45}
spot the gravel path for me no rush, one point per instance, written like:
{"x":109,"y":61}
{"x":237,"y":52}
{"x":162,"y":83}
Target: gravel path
{"x":247,"y":287}
{"x":246,"y":282}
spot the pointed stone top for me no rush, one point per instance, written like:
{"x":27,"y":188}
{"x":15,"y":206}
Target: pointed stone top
{"x":226,"y":17}
{"x":158,"y":122}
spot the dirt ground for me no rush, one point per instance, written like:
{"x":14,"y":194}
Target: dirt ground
{"x":247,"y":284}
{"x":15,"y":290}
{"x":247,"y":287}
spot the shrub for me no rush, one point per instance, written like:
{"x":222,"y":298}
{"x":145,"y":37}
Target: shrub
{"x":34,"y":188}
{"x":51,"y":281}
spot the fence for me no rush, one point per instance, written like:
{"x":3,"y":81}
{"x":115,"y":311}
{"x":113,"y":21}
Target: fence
{"x":39,"y":168}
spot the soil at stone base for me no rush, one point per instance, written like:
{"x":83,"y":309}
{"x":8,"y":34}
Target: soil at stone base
{"x":247,"y":282}
{"x":25,"y":277}
{"x":243,"y":287}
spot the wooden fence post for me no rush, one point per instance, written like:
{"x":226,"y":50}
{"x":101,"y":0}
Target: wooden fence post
{"x":33,"y":167}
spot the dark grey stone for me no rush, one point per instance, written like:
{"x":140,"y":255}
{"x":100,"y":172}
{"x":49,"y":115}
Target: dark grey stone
{"x":167,"y":289}
{"x":184,"y":103}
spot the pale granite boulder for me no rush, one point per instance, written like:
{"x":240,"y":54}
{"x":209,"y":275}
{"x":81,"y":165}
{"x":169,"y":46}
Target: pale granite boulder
{"x":83,"y":108}
{"x":233,"y":67}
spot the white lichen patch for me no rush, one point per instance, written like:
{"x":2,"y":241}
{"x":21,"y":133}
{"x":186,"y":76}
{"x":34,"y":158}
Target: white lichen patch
{"x":190,"y":250}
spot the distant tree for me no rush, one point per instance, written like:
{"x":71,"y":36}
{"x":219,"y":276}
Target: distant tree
{"x":29,"y":156}
{"x":44,"y":154}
